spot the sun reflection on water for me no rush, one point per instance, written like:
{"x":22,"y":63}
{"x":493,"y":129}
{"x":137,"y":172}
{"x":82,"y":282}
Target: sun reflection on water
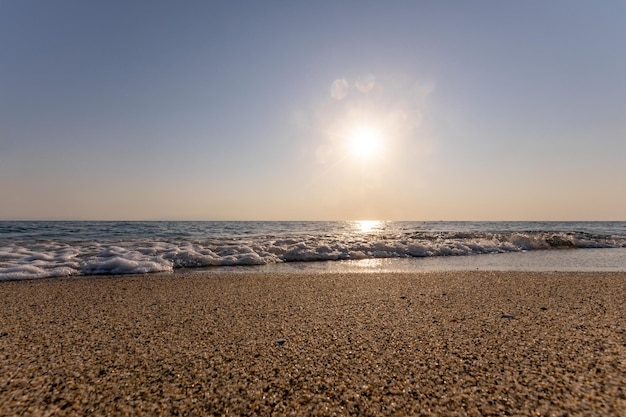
{"x":368,"y":226}
{"x":368,"y":264}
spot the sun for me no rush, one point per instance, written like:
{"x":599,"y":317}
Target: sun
{"x":364,"y":143}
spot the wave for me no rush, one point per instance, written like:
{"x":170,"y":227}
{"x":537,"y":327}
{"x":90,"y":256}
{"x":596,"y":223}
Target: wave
{"x":52,"y":258}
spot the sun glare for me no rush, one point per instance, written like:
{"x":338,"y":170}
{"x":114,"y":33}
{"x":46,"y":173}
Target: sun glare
{"x":368,"y":226}
{"x":364,"y":143}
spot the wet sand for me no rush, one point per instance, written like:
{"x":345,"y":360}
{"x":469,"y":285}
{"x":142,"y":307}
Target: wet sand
{"x":455,"y":343}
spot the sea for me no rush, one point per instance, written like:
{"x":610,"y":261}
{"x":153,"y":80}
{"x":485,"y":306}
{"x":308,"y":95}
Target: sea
{"x":46,"y":249}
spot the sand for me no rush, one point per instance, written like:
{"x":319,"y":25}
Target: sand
{"x":459,"y":343}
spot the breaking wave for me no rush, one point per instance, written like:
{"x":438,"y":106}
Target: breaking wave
{"x":39,"y":258}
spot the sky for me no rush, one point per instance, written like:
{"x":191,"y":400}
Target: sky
{"x":294,"y":110}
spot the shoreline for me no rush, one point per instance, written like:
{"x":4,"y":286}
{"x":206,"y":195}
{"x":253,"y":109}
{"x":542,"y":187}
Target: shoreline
{"x":561,"y":260}
{"x":431,"y":343}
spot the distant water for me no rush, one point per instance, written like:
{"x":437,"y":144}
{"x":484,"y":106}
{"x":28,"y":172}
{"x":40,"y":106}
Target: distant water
{"x":53,"y":249}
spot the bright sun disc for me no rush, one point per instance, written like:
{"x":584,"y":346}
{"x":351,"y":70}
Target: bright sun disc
{"x":364,"y":143}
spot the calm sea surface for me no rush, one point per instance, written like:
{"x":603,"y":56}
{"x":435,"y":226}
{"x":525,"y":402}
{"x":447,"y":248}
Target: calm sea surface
{"x":52,"y":249}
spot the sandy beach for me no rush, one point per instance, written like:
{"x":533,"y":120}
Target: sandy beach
{"x":456,"y":343}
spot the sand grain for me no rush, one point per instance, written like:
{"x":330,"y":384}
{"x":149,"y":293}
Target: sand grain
{"x":366,"y":344}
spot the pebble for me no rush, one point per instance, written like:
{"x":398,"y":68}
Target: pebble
{"x":507,"y":316}
{"x":280,"y":341}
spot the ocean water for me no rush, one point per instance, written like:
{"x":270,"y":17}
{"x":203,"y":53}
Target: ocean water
{"x":54,"y":249}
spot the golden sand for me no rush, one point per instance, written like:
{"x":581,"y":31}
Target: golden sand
{"x":454,"y":343}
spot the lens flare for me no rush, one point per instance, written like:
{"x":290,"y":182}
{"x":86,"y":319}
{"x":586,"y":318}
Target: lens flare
{"x":339,"y":89}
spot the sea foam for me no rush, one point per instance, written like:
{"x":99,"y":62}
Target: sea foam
{"x":265,"y":243}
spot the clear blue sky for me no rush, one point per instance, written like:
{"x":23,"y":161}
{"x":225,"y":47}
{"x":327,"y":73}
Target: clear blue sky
{"x":482,"y":110}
